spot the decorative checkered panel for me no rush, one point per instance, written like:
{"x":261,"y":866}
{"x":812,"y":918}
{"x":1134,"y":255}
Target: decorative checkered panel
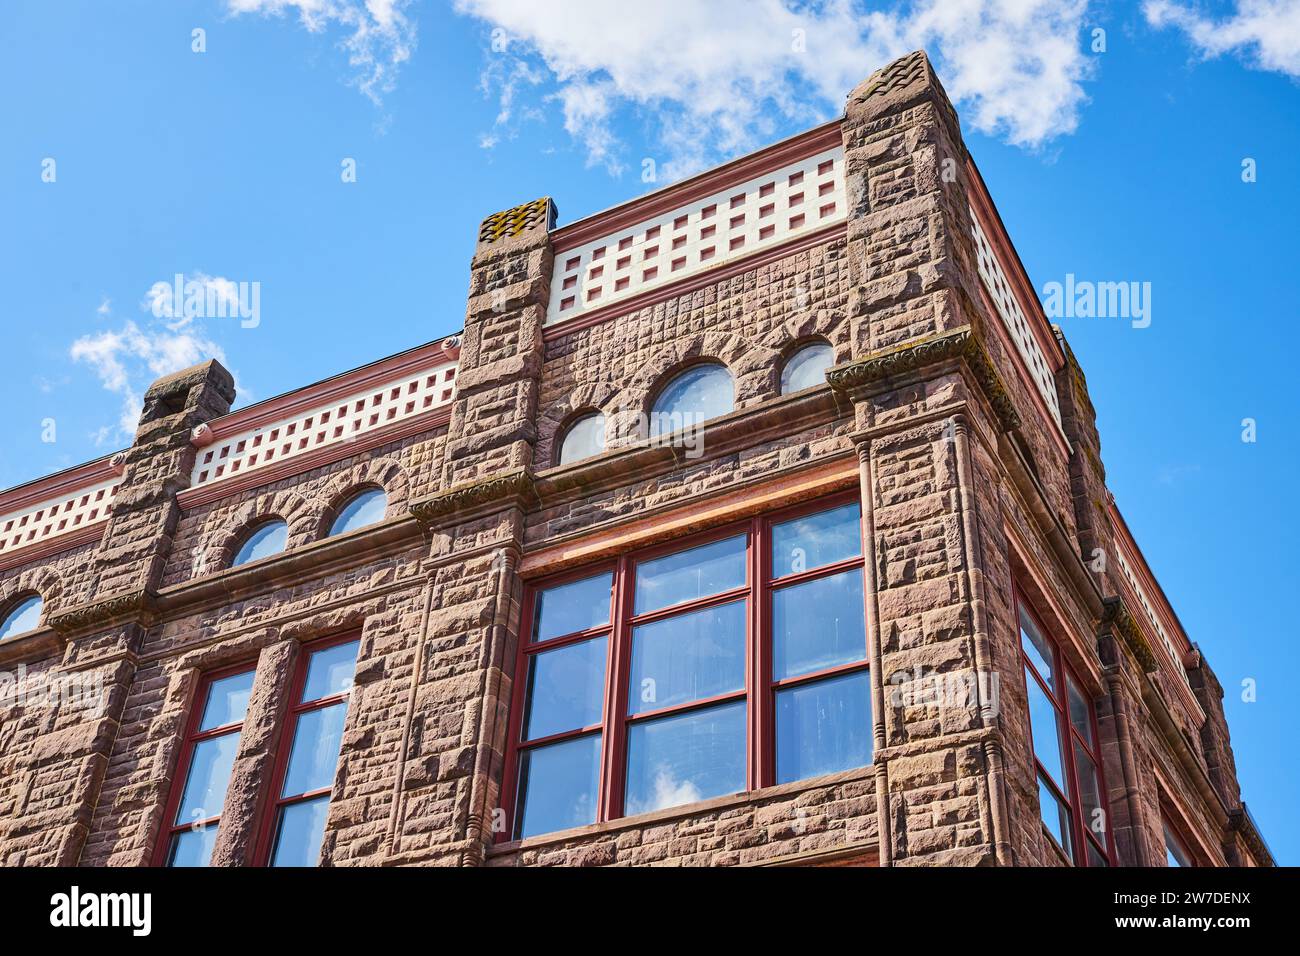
{"x":758,"y":214}
{"x":1008,"y":306}
{"x":60,"y":516}
{"x":339,"y":421}
{"x":1151,"y":616}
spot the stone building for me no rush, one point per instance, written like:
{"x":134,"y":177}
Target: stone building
{"x":760,"y":519}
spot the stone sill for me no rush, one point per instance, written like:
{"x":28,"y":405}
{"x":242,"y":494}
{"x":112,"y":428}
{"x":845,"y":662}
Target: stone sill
{"x":701,"y":809}
{"x":31,"y":645}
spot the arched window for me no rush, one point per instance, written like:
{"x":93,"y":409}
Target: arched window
{"x":585,"y":437}
{"x":807,"y":367}
{"x":266,"y":539}
{"x":23,"y":617}
{"x":699,"y":393}
{"x":362,"y":509}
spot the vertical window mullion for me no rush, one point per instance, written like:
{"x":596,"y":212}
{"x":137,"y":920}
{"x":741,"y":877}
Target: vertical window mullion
{"x":614,"y":744}
{"x":758,"y":674}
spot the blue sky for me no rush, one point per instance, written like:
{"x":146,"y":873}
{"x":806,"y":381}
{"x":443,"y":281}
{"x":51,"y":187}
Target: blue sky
{"x":1122,"y":164}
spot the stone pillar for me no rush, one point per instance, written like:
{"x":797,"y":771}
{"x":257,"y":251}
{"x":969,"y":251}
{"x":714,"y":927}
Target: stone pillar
{"x":477,"y":521}
{"x":104,"y":634}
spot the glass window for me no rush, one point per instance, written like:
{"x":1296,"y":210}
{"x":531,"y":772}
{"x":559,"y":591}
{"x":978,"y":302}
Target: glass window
{"x":686,"y":575}
{"x":692,"y":656}
{"x":686,"y":757}
{"x":1072,"y":797}
{"x":365,"y":508}
{"x":267,"y":539}
{"x":818,"y":624}
{"x":823,"y":727}
{"x":807,"y":367}
{"x":570,"y":608}
{"x":26,"y":616}
{"x":585,"y":437}
{"x":693,"y":397}
{"x":677,"y":718}
{"x":315,"y":728}
{"x":817,"y":540}
{"x":206,"y":760}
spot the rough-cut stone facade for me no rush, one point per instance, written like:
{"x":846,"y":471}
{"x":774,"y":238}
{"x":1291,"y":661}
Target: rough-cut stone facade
{"x":970,"y":491}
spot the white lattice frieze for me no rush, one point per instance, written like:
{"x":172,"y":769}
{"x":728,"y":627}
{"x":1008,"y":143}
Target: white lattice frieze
{"x":328,"y":424}
{"x":1149,"y":609}
{"x":757,"y":214}
{"x":43,"y":522}
{"x":1013,"y":318}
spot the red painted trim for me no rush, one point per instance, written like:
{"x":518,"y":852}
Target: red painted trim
{"x":1148,"y":578}
{"x":695,"y":280}
{"x":327,"y":455}
{"x":800,"y":146}
{"x":330,"y":390}
{"x":56,"y":544}
{"x":996,"y":232}
{"x":62,"y":484}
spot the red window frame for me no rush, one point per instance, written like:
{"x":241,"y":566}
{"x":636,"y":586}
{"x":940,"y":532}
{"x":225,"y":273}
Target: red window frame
{"x":193,"y":737}
{"x":758,"y":591}
{"x":1066,"y":731}
{"x":284,"y":743}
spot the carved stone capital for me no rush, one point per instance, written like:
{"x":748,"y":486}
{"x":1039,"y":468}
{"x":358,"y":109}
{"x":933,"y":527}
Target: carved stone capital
{"x":135,"y":605}
{"x":1116,"y":618}
{"x":514,"y":487}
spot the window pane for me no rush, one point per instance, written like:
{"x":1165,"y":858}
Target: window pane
{"x":823,"y":727}
{"x":192,"y":847}
{"x":1080,"y":711}
{"x":25,"y":617}
{"x":315,"y":753}
{"x":1095,"y":856}
{"x":698,"y":394}
{"x":1091,"y":803}
{"x":267,"y":540}
{"x":566,"y":689}
{"x":585,"y":437}
{"x":686,"y":575}
{"x":1175,"y":853}
{"x":807,"y":367}
{"x":558,"y":786}
{"x":227,"y":700}
{"x":576,"y":606}
{"x":208,"y":776}
{"x":300,"y":832}
{"x":1055,"y":815}
{"x":1037,"y":648}
{"x":330,"y":671}
{"x":364,"y":509}
{"x":818,"y":624}
{"x":689,"y":657}
{"x":817,"y":540}
{"x":686,"y":758}
{"x":1046,"y":731}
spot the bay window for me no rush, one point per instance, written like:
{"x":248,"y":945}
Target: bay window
{"x":1063,"y":732}
{"x":707,"y":667}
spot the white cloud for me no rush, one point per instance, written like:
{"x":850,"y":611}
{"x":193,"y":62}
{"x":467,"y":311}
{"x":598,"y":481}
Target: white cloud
{"x":712,"y":77}
{"x":1264,"y":32}
{"x":127,"y":359}
{"x":380,"y":36}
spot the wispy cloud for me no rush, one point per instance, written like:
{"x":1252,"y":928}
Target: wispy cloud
{"x":710,"y":78}
{"x":1265,"y":33}
{"x":379,"y":36}
{"x":128,"y":358}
